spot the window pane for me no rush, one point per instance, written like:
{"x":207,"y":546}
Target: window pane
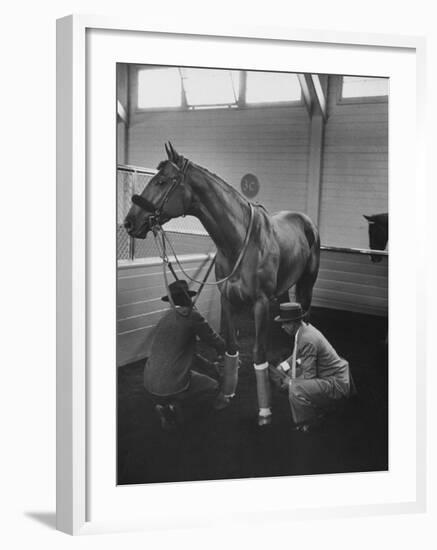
{"x":210,"y":86}
{"x":272,"y":87}
{"x":159,"y":88}
{"x":360,"y":86}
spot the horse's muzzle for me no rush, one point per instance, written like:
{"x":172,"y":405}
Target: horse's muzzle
{"x":139,"y":222}
{"x":136,"y":231}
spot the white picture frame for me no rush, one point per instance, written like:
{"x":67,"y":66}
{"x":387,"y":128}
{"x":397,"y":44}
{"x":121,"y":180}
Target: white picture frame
{"x":75,"y":233}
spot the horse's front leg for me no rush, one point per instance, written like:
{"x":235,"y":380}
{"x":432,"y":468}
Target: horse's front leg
{"x":230,"y":375}
{"x":229,"y":330}
{"x":261,"y":313}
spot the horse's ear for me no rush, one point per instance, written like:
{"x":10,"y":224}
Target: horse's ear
{"x":167,"y":150}
{"x":174,"y":154}
{"x":368,"y":218}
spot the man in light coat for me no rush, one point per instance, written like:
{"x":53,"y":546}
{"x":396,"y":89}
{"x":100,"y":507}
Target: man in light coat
{"x":314,"y":375}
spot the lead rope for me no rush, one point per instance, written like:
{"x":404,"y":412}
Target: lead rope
{"x":293,"y":358}
{"x":237,"y":263}
{"x":165,"y":263}
{"x":208,"y":271}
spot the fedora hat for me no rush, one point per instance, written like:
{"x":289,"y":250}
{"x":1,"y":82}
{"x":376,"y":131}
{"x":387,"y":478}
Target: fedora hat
{"x":289,"y":311}
{"x":179,"y":289}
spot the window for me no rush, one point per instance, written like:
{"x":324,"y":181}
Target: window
{"x":272,"y":87}
{"x":159,"y":88}
{"x":210,"y":87}
{"x":196,"y":88}
{"x":363,"y":86}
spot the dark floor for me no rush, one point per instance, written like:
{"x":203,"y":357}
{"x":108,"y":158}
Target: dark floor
{"x":229,"y":444}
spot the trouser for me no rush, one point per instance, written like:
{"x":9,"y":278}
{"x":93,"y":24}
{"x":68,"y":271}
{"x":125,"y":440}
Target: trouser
{"x":310,"y":397}
{"x":202,"y":389}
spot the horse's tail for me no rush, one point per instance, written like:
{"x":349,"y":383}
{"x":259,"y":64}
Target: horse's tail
{"x":312,"y":234}
{"x":304,"y":286}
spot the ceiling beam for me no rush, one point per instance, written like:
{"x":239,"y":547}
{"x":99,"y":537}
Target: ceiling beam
{"x":314,"y":178}
{"x":121,"y":112}
{"x":306,"y":92}
{"x":313,"y":93}
{"x":319,"y":94}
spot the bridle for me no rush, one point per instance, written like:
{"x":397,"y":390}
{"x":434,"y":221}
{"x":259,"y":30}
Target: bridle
{"x":161,"y":239}
{"x":155,"y":218}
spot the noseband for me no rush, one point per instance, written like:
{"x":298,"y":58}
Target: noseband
{"x":155,"y":218}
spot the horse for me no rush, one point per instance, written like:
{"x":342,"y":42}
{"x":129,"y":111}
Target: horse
{"x":259,"y":256}
{"x":378,"y":234}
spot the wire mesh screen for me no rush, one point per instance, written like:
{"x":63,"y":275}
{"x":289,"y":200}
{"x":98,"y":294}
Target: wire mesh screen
{"x":187,"y":234}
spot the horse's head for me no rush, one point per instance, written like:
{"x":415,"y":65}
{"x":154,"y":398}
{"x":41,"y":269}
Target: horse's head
{"x":378,"y":234}
{"x":166,"y":196}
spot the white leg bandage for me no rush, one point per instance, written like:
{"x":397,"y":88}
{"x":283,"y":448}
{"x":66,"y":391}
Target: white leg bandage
{"x":263,"y":388}
{"x":230,"y":375}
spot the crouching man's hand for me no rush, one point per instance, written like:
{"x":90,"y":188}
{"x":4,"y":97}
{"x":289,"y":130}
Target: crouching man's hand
{"x":279,"y":377}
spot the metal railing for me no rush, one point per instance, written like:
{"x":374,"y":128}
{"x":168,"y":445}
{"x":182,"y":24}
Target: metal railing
{"x":187,"y":234}
{"x":364,"y":251}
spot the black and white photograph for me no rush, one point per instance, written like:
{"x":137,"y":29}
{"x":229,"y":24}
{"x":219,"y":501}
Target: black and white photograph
{"x":252,"y":273}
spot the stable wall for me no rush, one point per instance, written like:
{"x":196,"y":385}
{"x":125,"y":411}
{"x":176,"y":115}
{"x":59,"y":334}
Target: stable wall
{"x":346,"y":281}
{"x":272,"y":143}
{"x":140,"y":286}
{"x":351,"y":282}
{"x":354,"y":168}
{"x":123,"y":98}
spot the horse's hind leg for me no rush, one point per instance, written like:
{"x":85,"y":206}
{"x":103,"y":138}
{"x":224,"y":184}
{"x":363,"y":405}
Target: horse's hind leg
{"x":305,"y":285}
{"x":228,"y":326}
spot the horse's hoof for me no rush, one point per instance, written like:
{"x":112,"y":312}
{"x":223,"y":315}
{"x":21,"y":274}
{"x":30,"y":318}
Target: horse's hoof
{"x":265,"y":420}
{"x":221,"y":402}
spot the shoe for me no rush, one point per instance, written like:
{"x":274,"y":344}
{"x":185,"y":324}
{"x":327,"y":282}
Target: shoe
{"x":176,"y":410}
{"x":265,"y":420}
{"x":308,"y":427}
{"x":167,"y":417}
{"x":221,"y":402}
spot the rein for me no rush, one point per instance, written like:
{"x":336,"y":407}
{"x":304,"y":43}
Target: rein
{"x":220,"y":281}
{"x":167,"y":263}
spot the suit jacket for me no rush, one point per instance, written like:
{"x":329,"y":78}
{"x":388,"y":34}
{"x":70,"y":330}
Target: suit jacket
{"x":167,"y":370}
{"x":316,"y":358}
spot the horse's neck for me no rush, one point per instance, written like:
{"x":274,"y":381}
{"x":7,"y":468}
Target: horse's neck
{"x":221,"y":209}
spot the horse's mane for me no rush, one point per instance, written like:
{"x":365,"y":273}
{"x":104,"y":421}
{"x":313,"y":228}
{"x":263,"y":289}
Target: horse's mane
{"x":231,"y":187}
{"x":216,"y":178}
{"x":180,"y":163}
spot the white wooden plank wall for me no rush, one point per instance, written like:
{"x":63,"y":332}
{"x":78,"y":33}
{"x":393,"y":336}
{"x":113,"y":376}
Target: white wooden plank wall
{"x":271,"y":143}
{"x":346,"y":282}
{"x":354,"y":170}
{"x":139,"y":305}
{"x":351,"y":282}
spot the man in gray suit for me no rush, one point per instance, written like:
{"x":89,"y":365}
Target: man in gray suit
{"x":314,"y":375}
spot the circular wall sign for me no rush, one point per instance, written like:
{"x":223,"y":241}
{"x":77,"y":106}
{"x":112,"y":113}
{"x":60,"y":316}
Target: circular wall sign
{"x":249,"y":185}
